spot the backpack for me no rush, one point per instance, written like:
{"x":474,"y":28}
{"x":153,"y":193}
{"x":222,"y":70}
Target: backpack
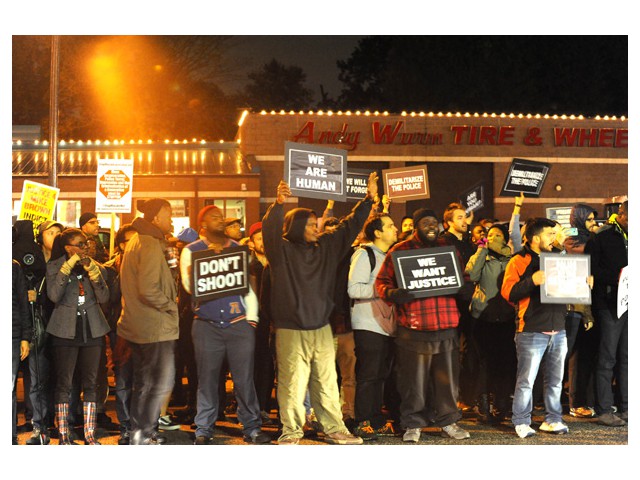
{"x":372,"y":256}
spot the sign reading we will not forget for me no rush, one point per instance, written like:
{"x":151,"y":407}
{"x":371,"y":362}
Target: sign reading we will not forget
{"x":406,"y":183}
{"x":216,"y":275}
{"x":315,"y":172}
{"x":428,"y":272}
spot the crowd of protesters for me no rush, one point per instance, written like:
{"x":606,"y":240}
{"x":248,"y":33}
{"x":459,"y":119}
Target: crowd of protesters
{"x":325,"y":324}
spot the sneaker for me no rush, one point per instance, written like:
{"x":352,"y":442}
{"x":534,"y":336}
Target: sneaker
{"x":386,"y":430}
{"x":202,"y":440}
{"x":555,"y":427}
{"x":257,"y":437}
{"x":343,"y":438}
{"x":525,"y":431}
{"x":165,"y":423}
{"x":125,"y":438}
{"x":455,"y":432}
{"x":289,"y":441}
{"x":624,"y":416}
{"x":411,"y":435}
{"x":609,"y":420}
{"x":582,"y":412}
{"x":312,"y":424}
{"x":38,"y":437}
{"x":365,"y":431}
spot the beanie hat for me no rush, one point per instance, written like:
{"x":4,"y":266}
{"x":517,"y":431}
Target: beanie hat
{"x":151,"y":207}
{"x":255,"y":228}
{"x":85,"y":217}
{"x":421,"y":213}
{"x":206,"y":210}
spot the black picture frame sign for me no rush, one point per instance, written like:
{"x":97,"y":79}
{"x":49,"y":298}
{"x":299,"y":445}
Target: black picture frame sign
{"x":565,"y":278}
{"x":314,"y":171}
{"x":473,"y":198}
{"x":217,"y":275}
{"x":525,"y":176}
{"x":428,"y":272}
{"x":357,"y":183}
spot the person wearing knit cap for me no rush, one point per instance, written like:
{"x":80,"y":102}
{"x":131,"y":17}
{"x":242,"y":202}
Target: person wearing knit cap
{"x":426,"y":342}
{"x":303,"y":267}
{"x":149,"y":319}
{"x":90,"y":226}
{"x":223,"y":327}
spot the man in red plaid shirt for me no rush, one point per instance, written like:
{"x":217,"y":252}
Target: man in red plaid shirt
{"x":426,"y":341}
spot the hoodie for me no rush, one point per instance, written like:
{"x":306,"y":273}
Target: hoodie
{"x":577,"y":218}
{"x":303,"y":274}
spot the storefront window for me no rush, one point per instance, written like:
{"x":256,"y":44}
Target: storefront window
{"x":179,"y":214}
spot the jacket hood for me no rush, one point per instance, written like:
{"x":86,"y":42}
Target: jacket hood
{"x":295,"y":221}
{"x":577,"y":218}
{"x":145,"y":227}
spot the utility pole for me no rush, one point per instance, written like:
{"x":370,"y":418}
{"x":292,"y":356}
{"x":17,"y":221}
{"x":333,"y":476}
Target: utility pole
{"x":53,"y":111}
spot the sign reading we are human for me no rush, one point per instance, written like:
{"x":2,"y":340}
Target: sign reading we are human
{"x":316,"y":172}
{"x":406,"y":183}
{"x":428,"y":272}
{"x":216,"y":275}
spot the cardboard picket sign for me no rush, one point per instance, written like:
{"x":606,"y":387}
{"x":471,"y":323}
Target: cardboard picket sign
{"x":406,"y":183}
{"x":313,"y":171}
{"x":428,"y":272}
{"x":525,"y":176}
{"x":217,"y":275}
{"x":473,"y":199}
{"x":357,"y":182}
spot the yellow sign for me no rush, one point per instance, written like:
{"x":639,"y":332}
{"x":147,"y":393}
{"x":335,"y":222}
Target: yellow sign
{"x":38,"y":202}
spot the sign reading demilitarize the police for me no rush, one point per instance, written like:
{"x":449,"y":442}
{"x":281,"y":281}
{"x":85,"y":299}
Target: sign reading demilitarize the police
{"x":406,"y":183}
{"x":315,"y":172}
{"x":357,"y":182}
{"x":216,"y":275}
{"x":525,"y":176}
{"x":473,"y":199}
{"x":428,"y":272}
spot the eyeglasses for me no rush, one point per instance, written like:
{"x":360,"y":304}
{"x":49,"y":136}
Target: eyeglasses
{"x":78,"y":245}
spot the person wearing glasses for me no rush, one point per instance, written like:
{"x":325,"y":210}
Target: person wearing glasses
{"x":582,"y":343}
{"x":90,"y":226}
{"x":76,"y":284}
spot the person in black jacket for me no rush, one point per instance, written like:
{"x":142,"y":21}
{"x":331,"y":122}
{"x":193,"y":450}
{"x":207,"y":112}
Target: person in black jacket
{"x":608,"y":250}
{"x":20,"y":337}
{"x":303,"y":267}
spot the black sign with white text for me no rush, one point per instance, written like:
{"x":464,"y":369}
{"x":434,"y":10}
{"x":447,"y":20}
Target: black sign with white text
{"x":217,"y":275}
{"x":315,"y":172}
{"x":357,"y":182}
{"x":473,"y":199}
{"x":428,"y":272}
{"x":525,"y":176}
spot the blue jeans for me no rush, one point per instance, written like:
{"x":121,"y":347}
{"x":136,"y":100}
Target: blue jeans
{"x":613,"y":356}
{"x":531,"y":348}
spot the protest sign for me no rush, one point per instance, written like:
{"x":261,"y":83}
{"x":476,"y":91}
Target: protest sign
{"x":114,"y":185}
{"x":565,"y":278}
{"x":357,"y":182}
{"x":428,"y":272}
{"x":623,"y":291}
{"x":38,"y":202}
{"x":473,"y":199}
{"x":406,"y":183}
{"x":315,"y":172}
{"x":560,"y":214}
{"x":216,"y":275}
{"x":525,"y":176}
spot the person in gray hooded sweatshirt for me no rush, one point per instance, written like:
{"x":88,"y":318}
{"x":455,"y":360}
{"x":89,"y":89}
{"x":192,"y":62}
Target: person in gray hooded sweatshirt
{"x":303,"y":269}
